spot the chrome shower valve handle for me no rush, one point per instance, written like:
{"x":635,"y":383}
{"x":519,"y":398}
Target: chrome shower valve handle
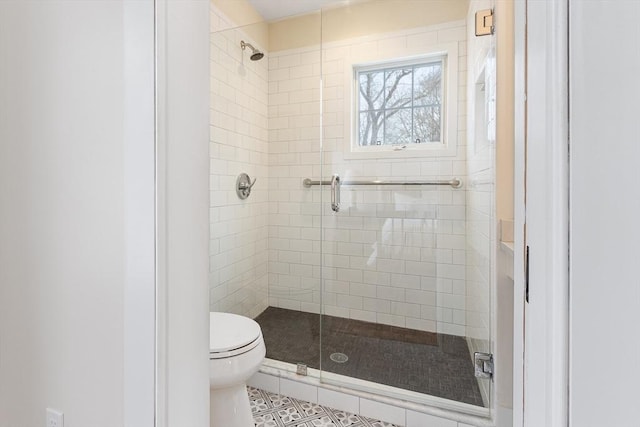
{"x":244,"y":185}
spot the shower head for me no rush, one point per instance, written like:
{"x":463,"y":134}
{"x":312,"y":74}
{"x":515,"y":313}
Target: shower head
{"x":256,"y":55}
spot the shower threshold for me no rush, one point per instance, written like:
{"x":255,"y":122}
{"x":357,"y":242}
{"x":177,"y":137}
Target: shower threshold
{"x":423,"y":362}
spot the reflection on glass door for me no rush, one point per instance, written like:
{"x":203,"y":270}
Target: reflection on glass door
{"x":406,"y":259}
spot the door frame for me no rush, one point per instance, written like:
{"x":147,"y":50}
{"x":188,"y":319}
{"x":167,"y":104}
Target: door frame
{"x":182,"y":212}
{"x":541,"y":326}
{"x":540,"y":368}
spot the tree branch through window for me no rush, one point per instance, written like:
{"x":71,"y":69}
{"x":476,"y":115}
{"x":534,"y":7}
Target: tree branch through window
{"x":400,"y":105}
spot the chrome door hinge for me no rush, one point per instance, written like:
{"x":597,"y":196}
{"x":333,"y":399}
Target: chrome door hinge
{"x":483,"y":363}
{"x":484,"y":22}
{"x":301,"y":369}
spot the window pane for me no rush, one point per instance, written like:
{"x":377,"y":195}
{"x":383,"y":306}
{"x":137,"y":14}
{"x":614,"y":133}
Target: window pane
{"x":428,"y":85}
{"x":401,"y":104}
{"x":371,"y":88}
{"x":398,"y":88}
{"x":398,"y":127}
{"x":371,"y":128}
{"x":426,"y":124}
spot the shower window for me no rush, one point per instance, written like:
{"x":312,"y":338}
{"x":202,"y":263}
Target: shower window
{"x":402,"y":104}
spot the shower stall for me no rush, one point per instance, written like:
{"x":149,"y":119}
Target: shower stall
{"x":361,"y":237}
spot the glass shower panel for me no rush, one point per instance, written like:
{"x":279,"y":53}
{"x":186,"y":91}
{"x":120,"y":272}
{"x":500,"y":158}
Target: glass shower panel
{"x":481,"y":215}
{"x":291,"y":324}
{"x":265,"y":122}
{"x":398,"y":314}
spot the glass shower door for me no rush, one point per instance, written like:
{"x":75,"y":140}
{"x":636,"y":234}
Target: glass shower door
{"x":406,"y":252}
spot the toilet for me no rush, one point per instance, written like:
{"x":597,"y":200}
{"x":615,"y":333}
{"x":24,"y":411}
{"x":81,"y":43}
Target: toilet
{"x":236,"y":351}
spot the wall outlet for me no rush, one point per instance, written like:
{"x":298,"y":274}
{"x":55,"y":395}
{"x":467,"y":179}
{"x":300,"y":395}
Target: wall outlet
{"x":55,"y":418}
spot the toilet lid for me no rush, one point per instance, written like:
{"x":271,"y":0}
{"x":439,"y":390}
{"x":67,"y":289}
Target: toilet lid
{"x":230,"y":331}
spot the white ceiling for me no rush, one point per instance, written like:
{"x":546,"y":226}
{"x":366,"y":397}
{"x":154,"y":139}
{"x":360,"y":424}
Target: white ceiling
{"x":272,"y":10}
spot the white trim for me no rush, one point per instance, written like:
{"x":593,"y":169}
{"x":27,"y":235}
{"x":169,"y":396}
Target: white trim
{"x":519,"y":210}
{"x":182,"y":217}
{"x":139,"y":174}
{"x":547,"y":201}
{"x":161,"y":392}
{"x":161,"y":362}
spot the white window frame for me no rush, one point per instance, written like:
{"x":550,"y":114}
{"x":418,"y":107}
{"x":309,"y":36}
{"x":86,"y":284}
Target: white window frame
{"x":448,"y":53}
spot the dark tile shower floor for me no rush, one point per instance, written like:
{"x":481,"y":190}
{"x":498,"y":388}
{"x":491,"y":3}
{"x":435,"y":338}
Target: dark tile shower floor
{"x":425,"y":362}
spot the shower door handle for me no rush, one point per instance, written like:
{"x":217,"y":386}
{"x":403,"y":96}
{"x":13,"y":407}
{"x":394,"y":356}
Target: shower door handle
{"x":335,"y":193}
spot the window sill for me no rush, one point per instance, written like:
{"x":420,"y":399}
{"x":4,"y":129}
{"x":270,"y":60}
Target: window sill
{"x":407,"y":153}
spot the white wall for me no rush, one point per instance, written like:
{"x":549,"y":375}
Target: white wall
{"x":68,"y":266}
{"x":77,"y":213}
{"x":238,"y":143}
{"x":392,"y":256}
{"x":140,"y":230}
{"x":604,"y":212}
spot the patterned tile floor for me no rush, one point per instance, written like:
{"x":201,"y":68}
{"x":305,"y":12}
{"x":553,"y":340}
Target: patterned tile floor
{"x":273,"y":410}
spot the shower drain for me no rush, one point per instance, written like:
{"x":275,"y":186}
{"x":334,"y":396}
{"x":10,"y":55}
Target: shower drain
{"x":339,"y":357}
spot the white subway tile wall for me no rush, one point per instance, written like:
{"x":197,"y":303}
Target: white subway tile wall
{"x":392,"y":255}
{"x":238,"y":143}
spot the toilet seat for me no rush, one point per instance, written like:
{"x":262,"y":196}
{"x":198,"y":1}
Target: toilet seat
{"x":231,"y":335}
